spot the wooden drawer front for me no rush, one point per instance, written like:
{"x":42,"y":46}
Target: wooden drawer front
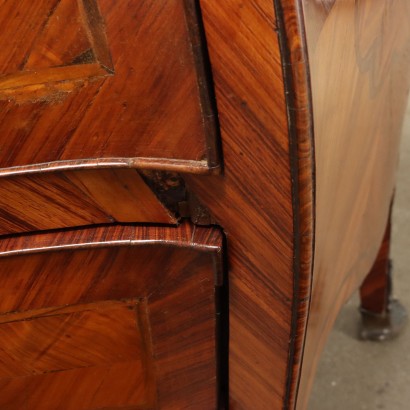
{"x":114,"y":327}
{"x":88,"y":79}
{"x":66,"y":199}
{"x":78,"y":357}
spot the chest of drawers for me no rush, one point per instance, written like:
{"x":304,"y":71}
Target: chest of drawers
{"x":189,"y":192}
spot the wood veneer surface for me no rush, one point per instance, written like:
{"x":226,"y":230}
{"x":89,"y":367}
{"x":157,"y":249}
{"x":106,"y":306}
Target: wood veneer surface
{"x":77,"y":357}
{"x":83,"y":82}
{"x":265,"y":112}
{"x":260,"y":155}
{"x":359,"y":65}
{"x":111,"y":317}
{"x":257,"y":201}
{"x":265,"y":199}
{"x":43,"y":201}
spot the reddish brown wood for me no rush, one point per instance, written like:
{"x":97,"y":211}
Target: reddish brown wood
{"x":301,"y":140}
{"x":50,"y":51}
{"x":265,"y":199}
{"x":97,"y":321}
{"x":267,"y":219}
{"x":152,"y":109}
{"x":66,"y":199}
{"x":375,"y":292}
{"x":93,"y":350}
{"x":90,"y":80}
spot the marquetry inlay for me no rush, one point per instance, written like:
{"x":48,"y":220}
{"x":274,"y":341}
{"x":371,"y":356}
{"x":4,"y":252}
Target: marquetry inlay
{"x":67,"y":45}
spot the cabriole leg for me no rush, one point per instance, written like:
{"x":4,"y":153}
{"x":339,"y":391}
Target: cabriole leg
{"x":382,"y":316}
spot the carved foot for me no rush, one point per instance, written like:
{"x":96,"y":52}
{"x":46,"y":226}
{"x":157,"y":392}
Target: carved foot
{"x":383,"y":326}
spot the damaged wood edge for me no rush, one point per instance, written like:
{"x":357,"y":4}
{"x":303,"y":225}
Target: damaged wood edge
{"x":199,"y":214}
{"x":28,"y":80}
{"x":168,"y":187}
{"x":51,"y":84}
{"x":171,"y":190}
{"x":162,"y":176}
{"x":292,"y":40}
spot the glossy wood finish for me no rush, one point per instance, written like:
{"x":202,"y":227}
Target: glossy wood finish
{"x":270,"y":260}
{"x":359,"y":67}
{"x":74,"y":347}
{"x":66,"y":199}
{"x":115,"y":317}
{"x":264,"y":215}
{"x":301,"y":137}
{"x":86,"y":82}
{"x":268,"y":93}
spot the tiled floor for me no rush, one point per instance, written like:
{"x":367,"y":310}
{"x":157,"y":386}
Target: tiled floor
{"x":356,"y":375}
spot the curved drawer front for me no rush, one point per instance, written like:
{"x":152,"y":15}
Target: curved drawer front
{"x":119,"y":318}
{"x":82,"y":80}
{"x":56,"y":200}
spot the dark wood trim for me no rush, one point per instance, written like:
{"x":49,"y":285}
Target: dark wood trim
{"x":375,"y":292}
{"x":296,"y":77}
{"x":205,"y":83}
{"x":265,"y":270}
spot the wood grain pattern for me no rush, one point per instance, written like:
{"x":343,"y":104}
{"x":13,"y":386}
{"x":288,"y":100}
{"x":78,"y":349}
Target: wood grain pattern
{"x":40,"y":343}
{"x":301,"y":137}
{"x":66,"y":199}
{"x":70,"y":47}
{"x":144,"y":296}
{"x":254,"y":200}
{"x":95,"y":350}
{"x":127,"y":82}
{"x":282,"y":233}
{"x":65,"y":20}
{"x":267,"y":93}
{"x":359,"y":66}
{"x":184,"y":235}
